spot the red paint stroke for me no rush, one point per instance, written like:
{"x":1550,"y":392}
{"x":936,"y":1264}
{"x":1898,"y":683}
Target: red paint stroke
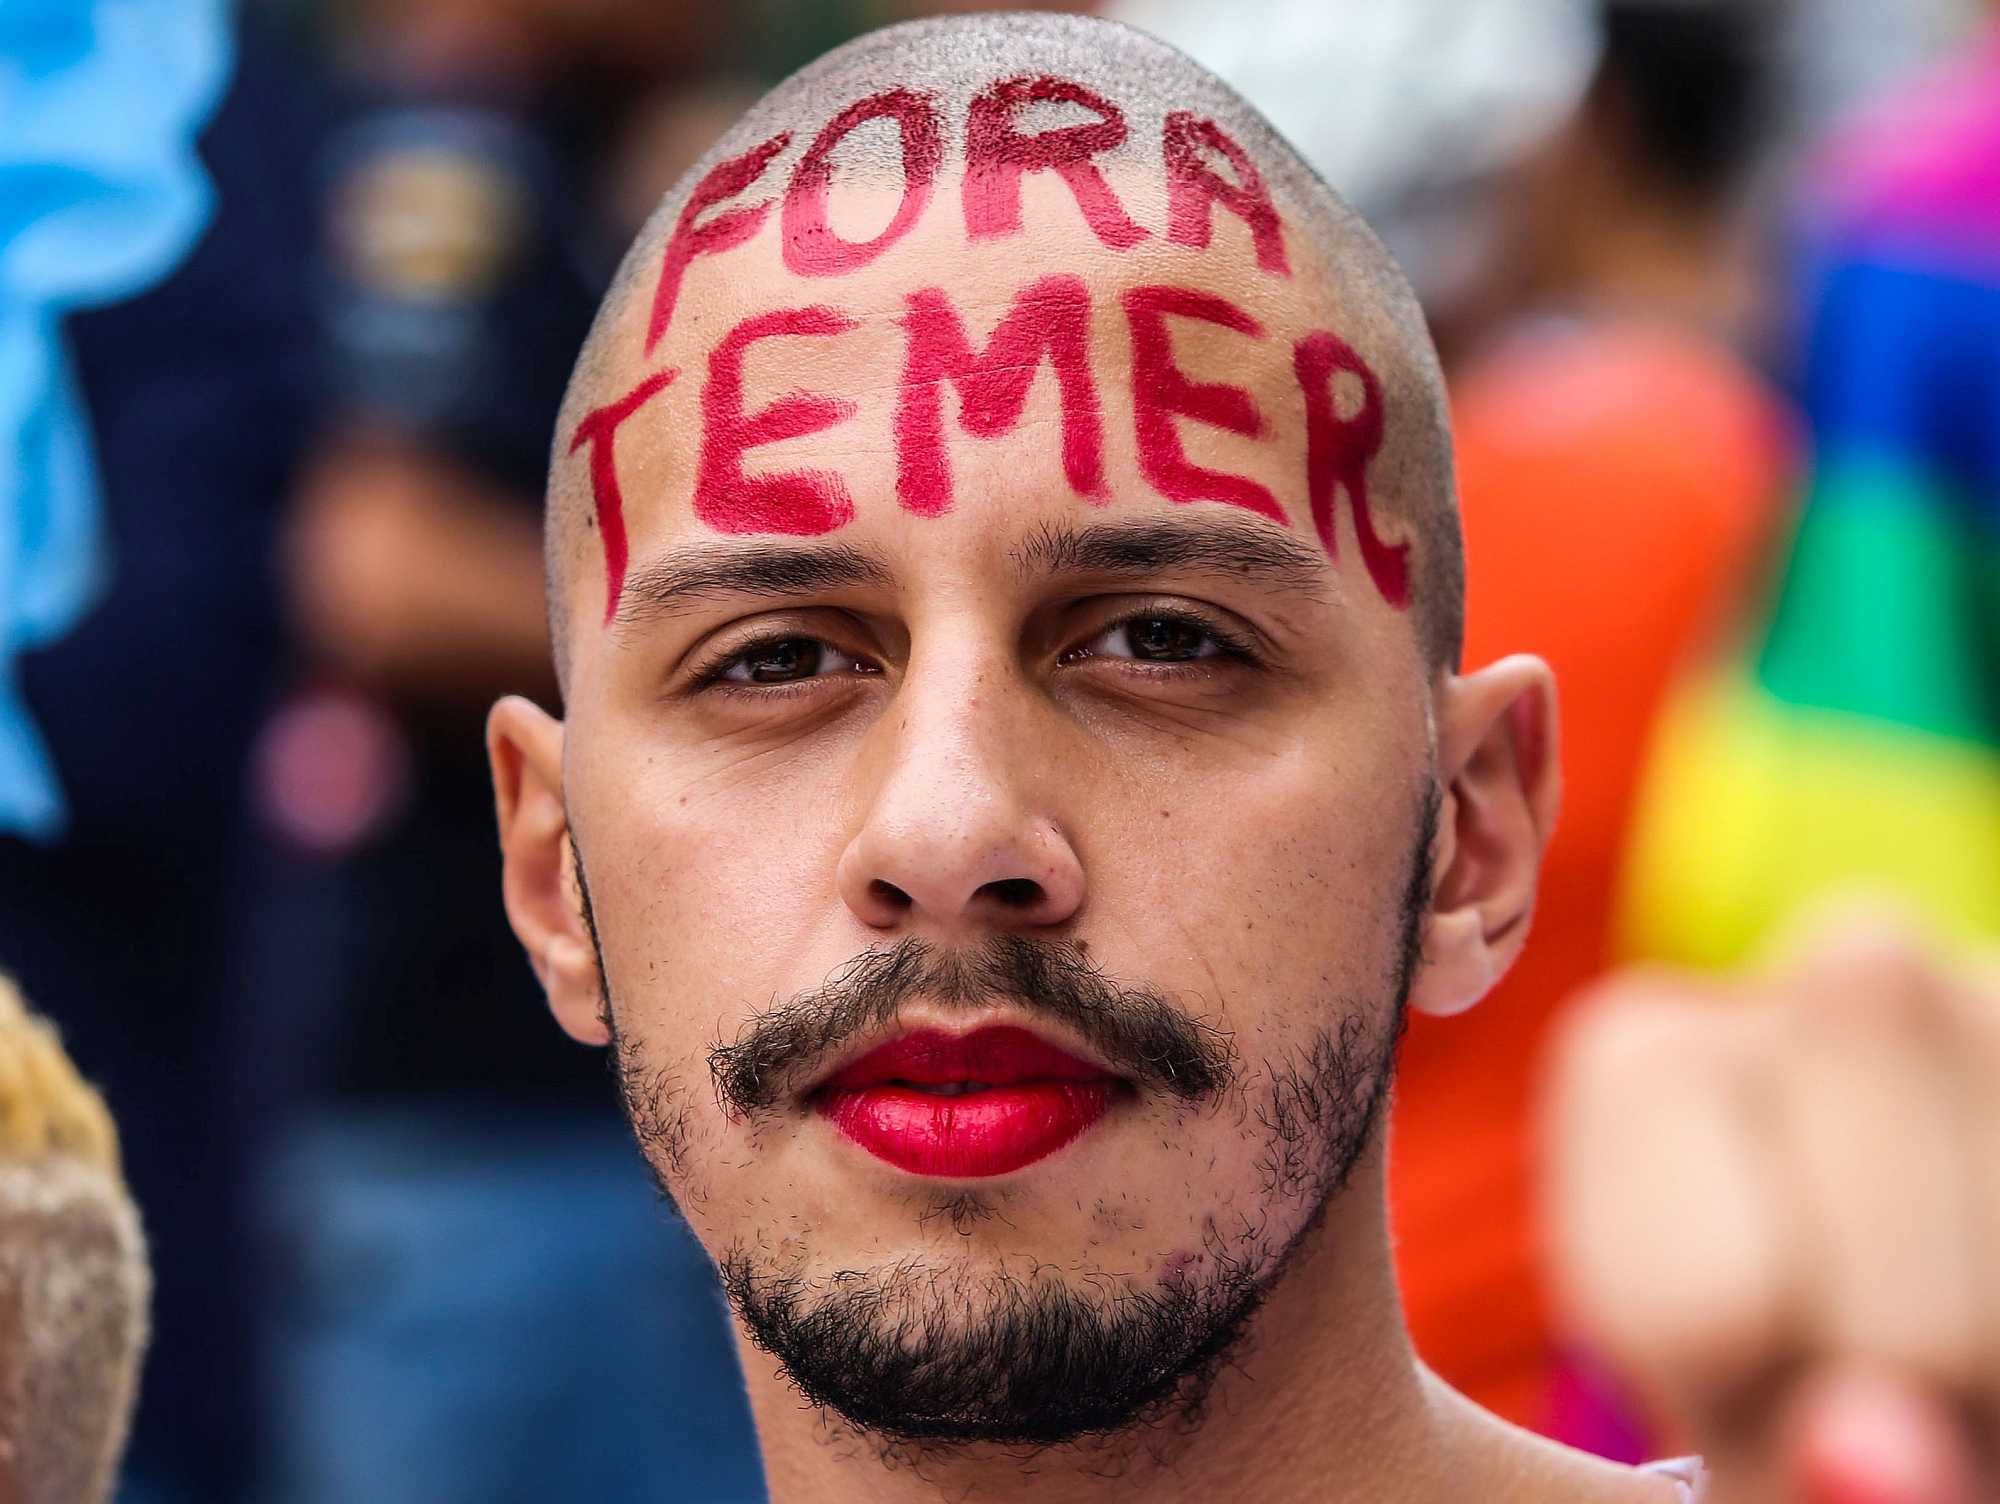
{"x":727,"y":230}
{"x":812,"y":248}
{"x":599,"y":429}
{"x":996,"y":156}
{"x":1337,"y":454}
{"x":1162,"y":392}
{"x":1050,"y":318}
{"x":1194,"y":189}
{"x":800,"y":502}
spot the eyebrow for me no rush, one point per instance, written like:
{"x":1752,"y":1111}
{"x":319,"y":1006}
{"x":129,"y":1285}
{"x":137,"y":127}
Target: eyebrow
{"x":1136,"y":550}
{"x":680,"y":582}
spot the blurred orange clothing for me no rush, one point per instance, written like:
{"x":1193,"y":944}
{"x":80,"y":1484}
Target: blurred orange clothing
{"x":1619,"y":479}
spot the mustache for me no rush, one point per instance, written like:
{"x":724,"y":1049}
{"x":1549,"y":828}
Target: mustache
{"x":1141,"y":1032}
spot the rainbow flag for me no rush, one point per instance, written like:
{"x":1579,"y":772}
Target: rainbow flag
{"x":1856,"y":741}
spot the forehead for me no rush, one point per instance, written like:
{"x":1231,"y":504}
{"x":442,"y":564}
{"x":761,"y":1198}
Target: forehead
{"x":977,"y":317}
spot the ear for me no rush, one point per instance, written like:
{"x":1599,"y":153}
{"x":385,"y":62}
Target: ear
{"x":1502,"y":788}
{"x":539,"y":883}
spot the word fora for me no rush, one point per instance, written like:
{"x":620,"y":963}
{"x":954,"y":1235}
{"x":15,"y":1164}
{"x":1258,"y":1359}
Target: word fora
{"x":1049,"y":321}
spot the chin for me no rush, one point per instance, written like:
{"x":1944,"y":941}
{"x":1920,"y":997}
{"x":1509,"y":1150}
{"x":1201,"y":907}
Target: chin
{"x":1094,"y":1295}
{"x":960,"y":1348}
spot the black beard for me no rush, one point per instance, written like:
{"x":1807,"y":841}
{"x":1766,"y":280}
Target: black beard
{"x":1041,"y":1362}
{"x":909,"y":1355}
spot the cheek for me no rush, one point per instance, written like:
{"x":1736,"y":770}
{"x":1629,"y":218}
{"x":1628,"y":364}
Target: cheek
{"x":713,"y":895}
{"x":716,"y":860}
{"x":703,"y":905}
{"x":1278,"y":877}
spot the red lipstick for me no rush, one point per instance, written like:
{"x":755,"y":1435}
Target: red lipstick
{"x":965,"y":1105}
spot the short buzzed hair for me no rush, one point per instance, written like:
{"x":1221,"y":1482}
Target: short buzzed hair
{"x":952,"y":61}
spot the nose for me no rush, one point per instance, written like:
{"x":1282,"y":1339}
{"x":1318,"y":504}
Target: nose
{"x":958,"y":837}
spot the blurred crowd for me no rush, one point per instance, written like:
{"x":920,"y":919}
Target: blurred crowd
{"x":1718,"y":286}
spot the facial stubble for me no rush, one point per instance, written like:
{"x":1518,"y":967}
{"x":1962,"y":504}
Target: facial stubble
{"x":927,"y":1355}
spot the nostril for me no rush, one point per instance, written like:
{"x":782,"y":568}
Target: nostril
{"x":889,"y":894}
{"x":1014,"y":892}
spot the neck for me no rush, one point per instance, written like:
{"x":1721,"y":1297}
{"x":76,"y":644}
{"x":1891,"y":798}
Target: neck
{"x":1324,"y":1401}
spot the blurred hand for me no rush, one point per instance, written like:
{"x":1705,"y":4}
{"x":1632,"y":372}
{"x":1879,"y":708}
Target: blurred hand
{"x":1776,"y":1211}
{"x":411,"y":577}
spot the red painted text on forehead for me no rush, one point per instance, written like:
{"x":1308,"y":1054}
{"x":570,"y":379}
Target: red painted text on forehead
{"x":812,"y":249}
{"x":997,"y":154}
{"x":1051,"y":318}
{"x":1161,"y":392}
{"x":599,"y":430}
{"x":798,"y":501}
{"x":1047,"y":322}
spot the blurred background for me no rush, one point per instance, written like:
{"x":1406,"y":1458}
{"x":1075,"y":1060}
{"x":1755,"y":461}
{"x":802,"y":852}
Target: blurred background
{"x":1718,"y":287}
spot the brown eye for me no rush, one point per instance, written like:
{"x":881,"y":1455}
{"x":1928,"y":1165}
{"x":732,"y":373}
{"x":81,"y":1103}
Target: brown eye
{"x":789,"y":660}
{"x":780,"y":662}
{"x":1156,"y":639}
{"x":1163,"y":639}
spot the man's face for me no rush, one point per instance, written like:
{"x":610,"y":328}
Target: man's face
{"x":1005,"y":898}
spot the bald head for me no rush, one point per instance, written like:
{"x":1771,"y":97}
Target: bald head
{"x":1005,"y":511}
{"x":1003,"y":203}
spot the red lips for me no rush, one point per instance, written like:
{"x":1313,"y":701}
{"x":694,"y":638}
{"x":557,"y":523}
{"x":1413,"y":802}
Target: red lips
{"x":965,"y":1106}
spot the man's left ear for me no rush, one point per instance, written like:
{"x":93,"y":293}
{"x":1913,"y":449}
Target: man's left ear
{"x":1502,"y":788}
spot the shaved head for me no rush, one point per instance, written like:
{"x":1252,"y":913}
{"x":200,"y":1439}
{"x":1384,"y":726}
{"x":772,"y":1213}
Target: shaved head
{"x":1013,"y":773}
{"x":953,"y":123}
